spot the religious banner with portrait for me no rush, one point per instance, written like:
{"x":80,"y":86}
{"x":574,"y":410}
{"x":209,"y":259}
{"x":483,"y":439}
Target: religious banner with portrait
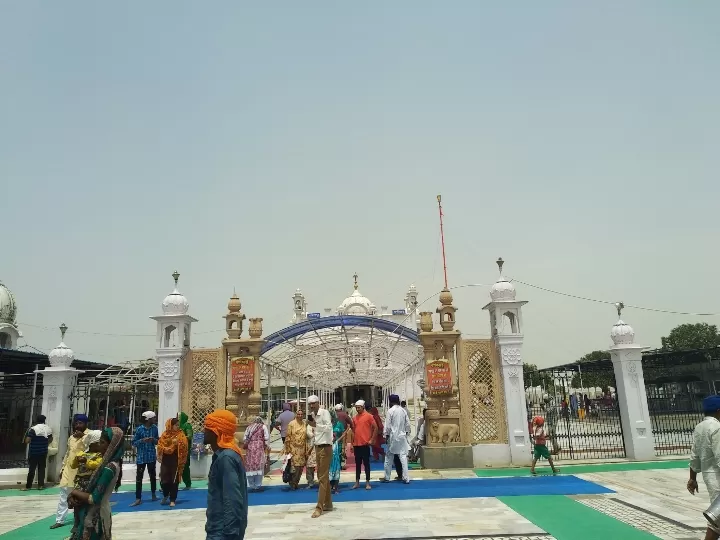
{"x":242,"y":374}
{"x":439,"y":377}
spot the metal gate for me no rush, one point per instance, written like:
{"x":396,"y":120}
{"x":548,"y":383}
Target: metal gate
{"x":676,"y":383}
{"x":675,"y":409}
{"x":20,"y":404}
{"x":581,"y":412}
{"x":117,"y":397}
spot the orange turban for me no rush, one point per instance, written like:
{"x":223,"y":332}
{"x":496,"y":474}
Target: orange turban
{"x":223,"y":423}
{"x":538,"y":420}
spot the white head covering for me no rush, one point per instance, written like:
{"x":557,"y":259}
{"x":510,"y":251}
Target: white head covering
{"x":148,"y":415}
{"x":339,"y":407}
{"x":92,"y":437}
{"x":313,"y":399}
{"x":360,"y":403}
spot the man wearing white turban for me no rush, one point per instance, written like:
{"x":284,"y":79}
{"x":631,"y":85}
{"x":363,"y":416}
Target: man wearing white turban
{"x":320,"y":420}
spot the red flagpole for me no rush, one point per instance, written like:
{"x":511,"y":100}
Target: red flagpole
{"x":442,"y":238}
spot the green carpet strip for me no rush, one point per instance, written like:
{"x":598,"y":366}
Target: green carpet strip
{"x":566,"y":519}
{"x":587,"y":469}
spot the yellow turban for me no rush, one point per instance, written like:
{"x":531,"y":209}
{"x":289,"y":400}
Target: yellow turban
{"x":223,"y":423}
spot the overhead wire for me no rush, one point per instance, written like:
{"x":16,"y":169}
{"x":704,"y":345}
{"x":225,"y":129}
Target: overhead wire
{"x":513,"y":280}
{"x":628,"y":306}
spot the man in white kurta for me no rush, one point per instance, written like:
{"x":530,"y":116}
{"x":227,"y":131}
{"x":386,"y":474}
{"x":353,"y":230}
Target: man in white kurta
{"x":397,"y":429}
{"x":705,"y":455}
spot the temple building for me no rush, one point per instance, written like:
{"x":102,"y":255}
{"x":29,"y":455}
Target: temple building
{"x":341,"y":342}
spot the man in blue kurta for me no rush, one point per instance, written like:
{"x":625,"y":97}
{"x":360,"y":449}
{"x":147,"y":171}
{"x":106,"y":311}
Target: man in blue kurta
{"x":145,"y":440}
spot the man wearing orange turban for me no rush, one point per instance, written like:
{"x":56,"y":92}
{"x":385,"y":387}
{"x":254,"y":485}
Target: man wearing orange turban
{"x":227,"y":504}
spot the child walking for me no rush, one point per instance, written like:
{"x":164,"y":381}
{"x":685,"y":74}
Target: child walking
{"x":539,"y":436}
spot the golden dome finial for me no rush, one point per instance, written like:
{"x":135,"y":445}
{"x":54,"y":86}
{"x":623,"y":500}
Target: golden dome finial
{"x":355,"y":277}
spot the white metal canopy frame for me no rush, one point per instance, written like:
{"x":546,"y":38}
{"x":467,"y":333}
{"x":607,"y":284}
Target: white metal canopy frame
{"x":342,"y":351}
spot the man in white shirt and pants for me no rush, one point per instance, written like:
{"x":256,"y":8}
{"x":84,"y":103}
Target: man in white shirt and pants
{"x":705,"y":455}
{"x":397,"y":429}
{"x":320,"y":419}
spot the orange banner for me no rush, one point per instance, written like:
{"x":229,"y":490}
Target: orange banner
{"x":439,"y":378}
{"x":242,"y":374}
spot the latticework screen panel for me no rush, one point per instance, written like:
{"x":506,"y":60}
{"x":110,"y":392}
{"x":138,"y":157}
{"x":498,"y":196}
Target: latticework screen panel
{"x":204,"y":388}
{"x":483,"y":392}
{"x":204,"y":382}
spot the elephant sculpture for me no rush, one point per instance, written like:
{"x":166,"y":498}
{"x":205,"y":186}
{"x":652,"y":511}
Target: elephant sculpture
{"x":444,"y":433}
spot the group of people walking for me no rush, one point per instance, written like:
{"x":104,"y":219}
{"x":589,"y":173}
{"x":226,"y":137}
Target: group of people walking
{"x":171,"y":450}
{"x":316,"y":442}
{"x":92,"y":469}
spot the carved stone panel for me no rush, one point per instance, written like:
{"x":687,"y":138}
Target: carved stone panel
{"x":204,"y":383}
{"x":481,"y":392}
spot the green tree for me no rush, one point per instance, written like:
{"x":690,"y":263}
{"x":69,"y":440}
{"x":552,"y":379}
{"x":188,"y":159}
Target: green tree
{"x":533,"y":377}
{"x":691,"y":336}
{"x":594,"y":378}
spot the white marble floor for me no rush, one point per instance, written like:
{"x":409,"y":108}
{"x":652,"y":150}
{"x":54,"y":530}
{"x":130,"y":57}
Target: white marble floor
{"x":654,"y":500}
{"x":350,"y":521}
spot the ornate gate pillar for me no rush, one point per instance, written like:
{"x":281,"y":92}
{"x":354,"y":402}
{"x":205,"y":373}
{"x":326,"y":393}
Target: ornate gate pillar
{"x":446,"y":447}
{"x":173,"y":345}
{"x":58,"y":381}
{"x":243,"y":366}
{"x":506,"y":326}
{"x":626,"y":358}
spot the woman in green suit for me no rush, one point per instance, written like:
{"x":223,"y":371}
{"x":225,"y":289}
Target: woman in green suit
{"x":186,"y":428}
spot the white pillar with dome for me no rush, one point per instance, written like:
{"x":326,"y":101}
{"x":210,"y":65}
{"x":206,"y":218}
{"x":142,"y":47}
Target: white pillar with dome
{"x":9,"y":331}
{"x":626,"y":358}
{"x":507,"y":327}
{"x":58,"y":380}
{"x":173,"y":343}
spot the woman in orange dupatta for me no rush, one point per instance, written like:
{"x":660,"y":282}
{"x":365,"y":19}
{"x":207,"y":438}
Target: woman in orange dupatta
{"x":172,"y":453}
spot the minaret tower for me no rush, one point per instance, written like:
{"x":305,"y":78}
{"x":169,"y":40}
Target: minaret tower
{"x":507,"y":326}
{"x":172,"y":343}
{"x":299,"y":307}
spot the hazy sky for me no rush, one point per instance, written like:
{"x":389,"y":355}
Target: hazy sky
{"x":269,"y":147}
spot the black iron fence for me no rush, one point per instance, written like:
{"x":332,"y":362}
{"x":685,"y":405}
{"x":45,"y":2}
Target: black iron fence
{"x":20,"y":404}
{"x":676,"y":383}
{"x":582,"y":423}
{"x":116,"y":404}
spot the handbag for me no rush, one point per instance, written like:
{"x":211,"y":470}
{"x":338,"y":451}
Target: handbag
{"x":287,"y":469}
{"x":287,"y":473}
{"x":266,"y":471}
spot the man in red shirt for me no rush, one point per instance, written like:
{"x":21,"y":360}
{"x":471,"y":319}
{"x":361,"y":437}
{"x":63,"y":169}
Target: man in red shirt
{"x":364,"y":434}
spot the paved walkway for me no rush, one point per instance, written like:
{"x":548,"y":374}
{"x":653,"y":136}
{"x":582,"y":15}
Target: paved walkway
{"x":620,"y":500}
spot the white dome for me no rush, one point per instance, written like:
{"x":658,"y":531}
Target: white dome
{"x":356,"y":304}
{"x":8,"y":308}
{"x":502,"y":291}
{"x":62,"y":355}
{"x":175,"y":303}
{"x":622,"y":334}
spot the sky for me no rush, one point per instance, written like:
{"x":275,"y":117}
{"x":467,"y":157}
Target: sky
{"x":270,"y":146}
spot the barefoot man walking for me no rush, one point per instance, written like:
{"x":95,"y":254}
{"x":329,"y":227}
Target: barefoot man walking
{"x":320,"y":419}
